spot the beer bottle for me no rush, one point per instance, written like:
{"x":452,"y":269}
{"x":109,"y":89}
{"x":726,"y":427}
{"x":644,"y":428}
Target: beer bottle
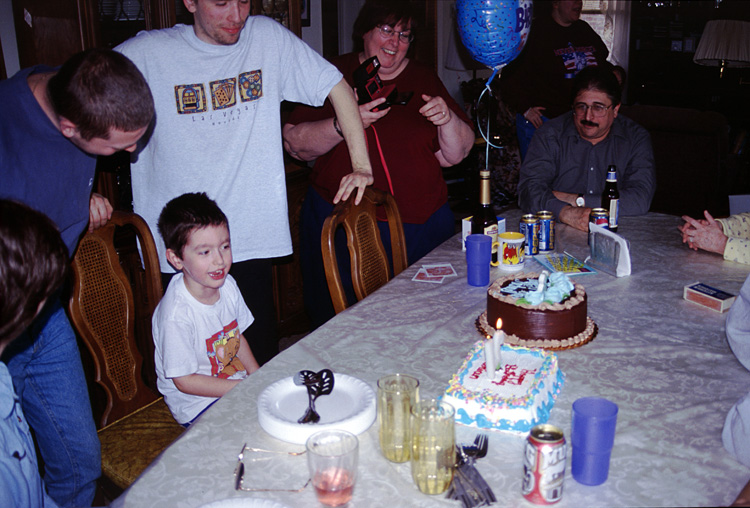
{"x":611,"y":198}
{"x":484,"y":221}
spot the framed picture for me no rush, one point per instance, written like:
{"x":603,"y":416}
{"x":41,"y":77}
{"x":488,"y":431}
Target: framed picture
{"x":304,"y":12}
{"x":688,"y":44}
{"x":677,"y":45}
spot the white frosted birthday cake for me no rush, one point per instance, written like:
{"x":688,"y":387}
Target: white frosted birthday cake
{"x":522,"y":394}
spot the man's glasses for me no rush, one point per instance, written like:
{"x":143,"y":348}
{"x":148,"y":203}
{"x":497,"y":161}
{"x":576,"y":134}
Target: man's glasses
{"x":387,"y":32}
{"x":580,"y":109}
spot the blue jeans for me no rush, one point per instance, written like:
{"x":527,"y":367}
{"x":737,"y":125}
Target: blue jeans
{"x":525,"y":131}
{"x":48,"y":377}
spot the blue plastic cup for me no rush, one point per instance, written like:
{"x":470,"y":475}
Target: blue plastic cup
{"x":592,"y":438}
{"x":478,"y":257}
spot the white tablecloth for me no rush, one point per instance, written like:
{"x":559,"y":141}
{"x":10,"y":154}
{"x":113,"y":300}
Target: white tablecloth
{"x":664,"y":361}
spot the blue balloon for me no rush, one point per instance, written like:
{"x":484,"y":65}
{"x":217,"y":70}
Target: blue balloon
{"x":494,"y":31}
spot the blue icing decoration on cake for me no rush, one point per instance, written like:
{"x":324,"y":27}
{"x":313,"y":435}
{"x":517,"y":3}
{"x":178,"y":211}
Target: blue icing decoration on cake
{"x":521,"y":396}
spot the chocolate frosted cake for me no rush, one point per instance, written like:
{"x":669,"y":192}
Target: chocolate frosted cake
{"x":553,"y":317}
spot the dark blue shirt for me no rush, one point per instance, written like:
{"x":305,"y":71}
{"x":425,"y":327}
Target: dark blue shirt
{"x":38,"y":165}
{"x":559,"y":159}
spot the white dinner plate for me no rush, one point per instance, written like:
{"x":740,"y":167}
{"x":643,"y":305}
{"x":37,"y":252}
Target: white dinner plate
{"x":244,"y":502}
{"x":350,"y":406}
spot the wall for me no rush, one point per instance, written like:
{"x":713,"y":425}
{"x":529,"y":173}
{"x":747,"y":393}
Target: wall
{"x":313,"y":35}
{"x":8,"y":37}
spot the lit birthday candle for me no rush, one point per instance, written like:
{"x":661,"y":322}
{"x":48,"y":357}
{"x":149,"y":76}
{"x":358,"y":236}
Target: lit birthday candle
{"x":498,"y":339}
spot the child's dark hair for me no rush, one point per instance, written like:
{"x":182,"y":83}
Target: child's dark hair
{"x":33,"y":265}
{"x":185,"y":213}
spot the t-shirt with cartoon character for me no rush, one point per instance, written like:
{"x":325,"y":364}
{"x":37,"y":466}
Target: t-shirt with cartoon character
{"x":194,"y":338}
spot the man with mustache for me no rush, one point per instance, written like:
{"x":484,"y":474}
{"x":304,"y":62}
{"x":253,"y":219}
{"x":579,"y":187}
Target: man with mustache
{"x":566,"y":167}
{"x":217,"y":87}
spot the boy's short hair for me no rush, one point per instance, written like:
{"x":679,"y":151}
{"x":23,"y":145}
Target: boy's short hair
{"x":101,"y":89}
{"x":33,"y":265}
{"x":186,"y":213}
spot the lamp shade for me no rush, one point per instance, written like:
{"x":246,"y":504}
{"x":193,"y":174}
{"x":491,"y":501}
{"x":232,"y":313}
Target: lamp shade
{"x":724,"y":43}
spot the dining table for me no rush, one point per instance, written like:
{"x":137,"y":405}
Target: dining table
{"x":663,"y":360}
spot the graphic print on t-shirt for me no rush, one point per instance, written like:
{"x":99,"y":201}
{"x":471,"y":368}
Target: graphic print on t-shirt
{"x":222,"y":93}
{"x":251,"y":86}
{"x":222,"y":349}
{"x":576,"y":58}
{"x":192,"y":98}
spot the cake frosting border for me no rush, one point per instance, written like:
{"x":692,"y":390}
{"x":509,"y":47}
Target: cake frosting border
{"x":456,"y":390}
{"x":587,"y":335}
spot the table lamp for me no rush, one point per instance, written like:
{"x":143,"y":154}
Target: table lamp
{"x":724,"y":43}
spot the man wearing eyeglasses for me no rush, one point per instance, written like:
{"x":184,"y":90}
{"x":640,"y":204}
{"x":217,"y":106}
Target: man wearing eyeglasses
{"x":566,"y":166}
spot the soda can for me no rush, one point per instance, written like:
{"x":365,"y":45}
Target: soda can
{"x":544,"y":465}
{"x":529,"y":228}
{"x":600,"y":217}
{"x":546,"y":231}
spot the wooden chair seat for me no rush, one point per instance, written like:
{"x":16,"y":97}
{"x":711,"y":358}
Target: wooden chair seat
{"x":370,"y":267}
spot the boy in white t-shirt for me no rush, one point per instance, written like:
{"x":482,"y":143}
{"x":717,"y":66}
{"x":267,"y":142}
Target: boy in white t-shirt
{"x":200,"y":352}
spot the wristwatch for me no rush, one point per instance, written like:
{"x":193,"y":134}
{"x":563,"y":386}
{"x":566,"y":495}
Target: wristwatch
{"x":580,"y":201}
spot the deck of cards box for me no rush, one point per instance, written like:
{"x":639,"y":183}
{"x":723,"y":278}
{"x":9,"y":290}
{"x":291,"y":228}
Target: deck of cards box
{"x":703,"y":294}
{"x":466,"y":228}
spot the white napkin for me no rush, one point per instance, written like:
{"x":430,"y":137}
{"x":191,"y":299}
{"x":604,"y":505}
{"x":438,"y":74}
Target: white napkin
{"x":609,"y":251}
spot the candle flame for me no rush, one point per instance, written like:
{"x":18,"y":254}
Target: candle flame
{"x":499,"y":324}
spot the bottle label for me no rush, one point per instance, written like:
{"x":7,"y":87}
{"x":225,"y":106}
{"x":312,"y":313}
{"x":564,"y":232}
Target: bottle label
{"x":491,"y":231}
{"x":614,"y":210}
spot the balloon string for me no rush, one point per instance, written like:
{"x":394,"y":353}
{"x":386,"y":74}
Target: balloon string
{"x":485,"y":135}
{"x":494,"y":73}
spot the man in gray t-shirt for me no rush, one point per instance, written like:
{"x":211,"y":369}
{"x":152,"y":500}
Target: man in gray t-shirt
{"x":217,"y":87}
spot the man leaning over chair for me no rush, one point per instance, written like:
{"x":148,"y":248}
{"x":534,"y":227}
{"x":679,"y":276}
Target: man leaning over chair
{"x":55,"y":123}
{"x":566,"y":166}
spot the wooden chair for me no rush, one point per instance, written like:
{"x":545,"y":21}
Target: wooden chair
{"x":369,"y":261}
{"x":136,"y":424}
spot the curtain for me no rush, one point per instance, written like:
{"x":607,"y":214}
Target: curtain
{"x":611,"y":20}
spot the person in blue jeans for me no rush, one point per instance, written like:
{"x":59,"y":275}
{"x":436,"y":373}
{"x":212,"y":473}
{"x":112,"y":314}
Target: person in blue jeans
{"x":33,"y":264}
{"x":54,"y":124}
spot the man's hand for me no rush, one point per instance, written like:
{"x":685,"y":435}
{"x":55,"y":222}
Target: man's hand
{"x":358,"y":180}
{"x":703,"y":234}
{"x":534,"y":115}
{"x":575,"y":216}
{"x":100,"y":211}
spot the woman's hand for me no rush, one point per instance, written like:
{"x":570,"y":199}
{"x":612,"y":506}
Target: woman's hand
{"x":368,"y":116}
{"x":436,"y":110}
{"x":703,"y":234}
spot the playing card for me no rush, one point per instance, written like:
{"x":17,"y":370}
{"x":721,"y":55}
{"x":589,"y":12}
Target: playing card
{"x":440,"y":269}
{"x":423,"y":276}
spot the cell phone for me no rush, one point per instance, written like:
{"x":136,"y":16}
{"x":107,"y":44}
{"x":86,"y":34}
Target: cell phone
{"x":369,"y":86}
